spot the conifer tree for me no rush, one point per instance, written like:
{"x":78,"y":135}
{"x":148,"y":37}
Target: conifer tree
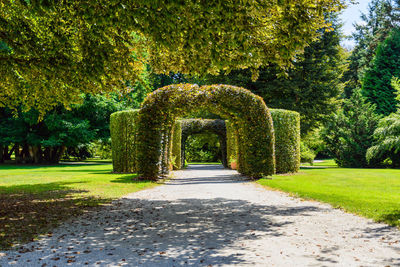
{"x":377,"y":87}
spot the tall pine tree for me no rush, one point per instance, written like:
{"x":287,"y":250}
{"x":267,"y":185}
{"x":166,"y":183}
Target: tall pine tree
{"x":381,"y":18}
{"x":377,"y":87}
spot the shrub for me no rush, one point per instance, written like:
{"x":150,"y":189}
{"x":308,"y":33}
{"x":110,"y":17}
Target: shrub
{"x":349,"y":133}
{"x":123,"y":129}
{"x":307,"y":155}
{"x":313,"y":140}
{"x":287,"y":140}
{"x":247,"y":111}
{"x":387,"y":144}
{"x":102,"y":148}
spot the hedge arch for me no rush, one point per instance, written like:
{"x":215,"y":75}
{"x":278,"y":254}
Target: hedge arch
{"x":196,"y":126}
{"x":246,"y":111}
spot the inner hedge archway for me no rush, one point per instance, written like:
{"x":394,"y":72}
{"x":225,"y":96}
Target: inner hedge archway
{"x":246,"y":111}
{"x":196,"y":126}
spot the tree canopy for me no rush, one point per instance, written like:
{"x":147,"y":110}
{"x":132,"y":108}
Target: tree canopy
{"x":52,"y":51}
{"x":311,"y":87}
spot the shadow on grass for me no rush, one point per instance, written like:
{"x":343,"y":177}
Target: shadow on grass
{"x":392,"y":218}
{"x":128,"y":179}
{"x":315,"y":167}
{"x":27,"y":211}
{"x":47,"y":166}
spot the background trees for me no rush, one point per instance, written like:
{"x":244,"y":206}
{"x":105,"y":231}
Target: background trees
{"x":348,"y":134}
{"x":381,"y":18}
{"x":311,"y":87}
{"x":46,"y":141}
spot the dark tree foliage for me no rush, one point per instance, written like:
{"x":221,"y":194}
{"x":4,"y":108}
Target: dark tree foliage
{"x":377,"y":87}
{"x":45,"y":141}
{"x":381,"y":18}
{"x":349,"y":133}
{"x":311,"y":86}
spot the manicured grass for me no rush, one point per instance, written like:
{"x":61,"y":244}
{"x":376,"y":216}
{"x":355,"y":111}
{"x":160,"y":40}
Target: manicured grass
{"x":324,"y":163}
{"x":34,"y":199}
{"x":373,"y":193}
{"x":205,"y":163}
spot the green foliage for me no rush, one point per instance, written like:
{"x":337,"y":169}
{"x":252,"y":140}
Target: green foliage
{"x":287,"y":140}
{"x":123,"y":129}
{"x":311,"y":87}
{"x":102,"y":148}
{"x":210,"y":151}
{"x":396,"y":87}
{"x":349,"y":133}
{"x":377,"y":86}
{"x":60,"y":130}
{"x":381,"y":18}
{"x":231,"y":143}
{"x":387,"y":141}
{"x":247,"y":111}
{"x":316,"y":144}
{"x":177,"y":159}
{"x":307,"y":155}
{"x":203,"y":147}
{"x":59,"y":49}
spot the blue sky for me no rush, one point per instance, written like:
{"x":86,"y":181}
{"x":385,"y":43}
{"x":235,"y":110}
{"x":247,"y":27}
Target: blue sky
{"x":352,"y":15}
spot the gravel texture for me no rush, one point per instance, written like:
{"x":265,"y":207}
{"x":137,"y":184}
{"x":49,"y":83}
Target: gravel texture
{"x":209,"y":216}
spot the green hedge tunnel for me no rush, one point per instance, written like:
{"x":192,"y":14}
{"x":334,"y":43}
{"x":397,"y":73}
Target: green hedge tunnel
{"x":196,"y":126}
{"x":246,"y":111}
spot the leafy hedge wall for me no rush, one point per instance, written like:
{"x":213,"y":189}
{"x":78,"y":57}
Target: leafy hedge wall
{"x":231,"y":143}
{"x":247,"y":111}
{"x":177,"y":161}
{"x":123,"y":128}
{"x":287,"y":140}
{"x":195,"y":126}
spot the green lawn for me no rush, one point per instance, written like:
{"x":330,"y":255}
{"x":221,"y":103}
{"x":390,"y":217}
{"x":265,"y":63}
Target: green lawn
{"x":373,"y":193}
{"x":34,"y":199}
{"x":205,"y":163}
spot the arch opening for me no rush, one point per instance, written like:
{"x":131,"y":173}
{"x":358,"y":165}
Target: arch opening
{"x":201,"y":126}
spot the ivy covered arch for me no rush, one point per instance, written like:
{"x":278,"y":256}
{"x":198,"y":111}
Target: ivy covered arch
{"x":196,"y":126}
{"x":247,"y":112}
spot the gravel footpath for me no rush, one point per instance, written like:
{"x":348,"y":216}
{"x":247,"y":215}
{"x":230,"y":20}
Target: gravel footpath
{"x":209,"y":216}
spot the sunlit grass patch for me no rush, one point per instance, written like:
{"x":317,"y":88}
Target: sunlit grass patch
{"x":373,"y":193}
{"x":35,"y":199}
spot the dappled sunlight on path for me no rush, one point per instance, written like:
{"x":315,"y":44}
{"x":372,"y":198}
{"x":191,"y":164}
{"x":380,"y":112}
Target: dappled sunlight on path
{"x":207,"y":215}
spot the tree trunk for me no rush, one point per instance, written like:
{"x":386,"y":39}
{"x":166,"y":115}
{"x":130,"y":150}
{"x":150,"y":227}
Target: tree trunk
{"x":2,"y":154}
{"x":17,"y":154}
{"x":37,"y":154}
{"x":55,"y":153}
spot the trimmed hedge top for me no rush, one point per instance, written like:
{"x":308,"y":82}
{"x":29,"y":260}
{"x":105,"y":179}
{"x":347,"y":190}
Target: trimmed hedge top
{"x":244,"y":109}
